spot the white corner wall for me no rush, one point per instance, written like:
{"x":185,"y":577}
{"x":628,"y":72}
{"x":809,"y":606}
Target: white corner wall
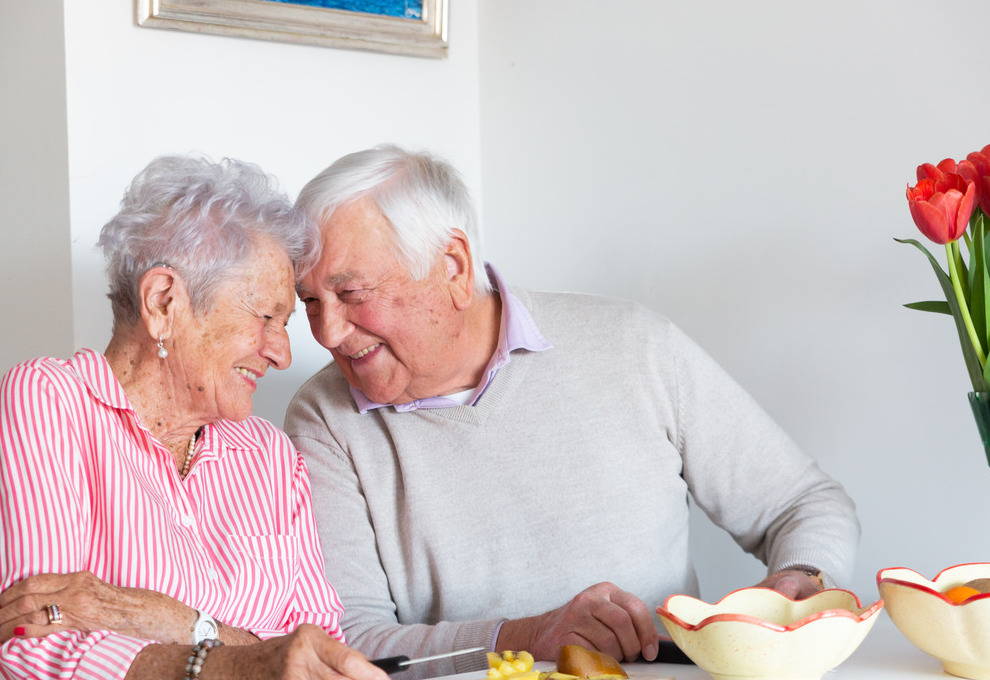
{"x":741,"y":167}
{"x":35,"y":266}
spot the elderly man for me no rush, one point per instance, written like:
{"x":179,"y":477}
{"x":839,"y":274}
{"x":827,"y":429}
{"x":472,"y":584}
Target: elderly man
{"x":502,"y":467}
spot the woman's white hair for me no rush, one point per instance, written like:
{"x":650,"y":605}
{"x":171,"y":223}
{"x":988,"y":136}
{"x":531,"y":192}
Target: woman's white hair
{"x":421,"y":196}
{"x":201,"y":218}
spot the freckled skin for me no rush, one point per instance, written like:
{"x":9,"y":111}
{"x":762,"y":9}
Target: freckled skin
{"x":245,"y":329}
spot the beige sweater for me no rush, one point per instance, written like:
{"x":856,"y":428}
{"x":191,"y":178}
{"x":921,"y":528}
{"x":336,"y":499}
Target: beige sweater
{"x":574,"y":468}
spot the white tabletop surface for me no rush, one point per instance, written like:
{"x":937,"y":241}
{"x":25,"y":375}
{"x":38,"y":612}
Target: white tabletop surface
{"x":884,"y":655}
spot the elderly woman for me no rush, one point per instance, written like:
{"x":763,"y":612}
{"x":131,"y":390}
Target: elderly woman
{"x":151,"y":526}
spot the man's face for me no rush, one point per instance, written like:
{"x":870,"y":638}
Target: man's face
{"x":389,"y":334}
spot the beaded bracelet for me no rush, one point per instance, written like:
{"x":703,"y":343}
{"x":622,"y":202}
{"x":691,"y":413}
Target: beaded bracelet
{"x":195,"y":663}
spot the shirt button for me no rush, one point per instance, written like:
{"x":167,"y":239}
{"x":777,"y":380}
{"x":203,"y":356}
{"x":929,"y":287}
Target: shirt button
{"x":212,"y":573}
{"x":187,"y":520}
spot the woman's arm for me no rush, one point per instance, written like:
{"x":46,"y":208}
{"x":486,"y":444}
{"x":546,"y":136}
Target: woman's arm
{"x":306,"y":653}
{"x":46,"y":517}
{"x":88,"y":604}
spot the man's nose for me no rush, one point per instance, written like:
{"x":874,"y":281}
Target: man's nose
{"x":333,"y":327}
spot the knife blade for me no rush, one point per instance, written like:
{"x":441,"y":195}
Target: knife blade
{"x":395,"y":664}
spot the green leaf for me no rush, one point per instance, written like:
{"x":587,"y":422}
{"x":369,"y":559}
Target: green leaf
{"x":979,"y":285}
{"x":937,"y":306}
{"x":973,"y":366}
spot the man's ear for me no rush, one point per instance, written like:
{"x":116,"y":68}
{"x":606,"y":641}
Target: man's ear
{"x":460,"y":270}
{"x":158,"y":295}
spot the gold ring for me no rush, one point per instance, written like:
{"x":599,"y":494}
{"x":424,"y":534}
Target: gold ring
{"x":54,"y":614}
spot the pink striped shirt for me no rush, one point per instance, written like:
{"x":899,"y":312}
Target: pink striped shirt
{"x":85,"y":486}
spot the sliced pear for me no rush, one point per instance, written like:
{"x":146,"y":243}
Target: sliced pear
{"x":588,"y":663}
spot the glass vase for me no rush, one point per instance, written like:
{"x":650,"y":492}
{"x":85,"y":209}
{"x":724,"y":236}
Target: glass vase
{"x":980,"y":403}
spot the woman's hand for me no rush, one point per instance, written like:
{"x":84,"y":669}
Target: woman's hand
{"x":307,"y":653}
{"x":88,"y":603}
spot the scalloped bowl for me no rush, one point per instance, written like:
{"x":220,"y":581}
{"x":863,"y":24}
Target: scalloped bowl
{"x":759,"y":634}
{"x":954,"y":633}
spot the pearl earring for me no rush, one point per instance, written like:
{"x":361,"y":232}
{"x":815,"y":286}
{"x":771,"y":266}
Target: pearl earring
{"x":162,"y":352}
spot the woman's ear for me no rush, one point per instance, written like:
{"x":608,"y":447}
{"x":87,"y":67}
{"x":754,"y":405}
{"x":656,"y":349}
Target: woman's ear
{"x":460,"y":270}
{"x":158,"y":297}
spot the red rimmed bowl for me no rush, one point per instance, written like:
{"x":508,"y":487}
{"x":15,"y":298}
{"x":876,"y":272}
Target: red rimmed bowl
{"x":957,"y":634}
{"x":759,"y":634}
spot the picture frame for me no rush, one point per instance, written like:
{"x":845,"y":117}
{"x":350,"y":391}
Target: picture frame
{"x":425,"y":36}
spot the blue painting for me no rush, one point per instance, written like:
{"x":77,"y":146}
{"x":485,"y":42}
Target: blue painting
{"x":405,"y":9}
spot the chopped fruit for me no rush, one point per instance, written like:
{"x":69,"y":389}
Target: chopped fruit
{"x":960,"y":594}
{"x":515,"y":665}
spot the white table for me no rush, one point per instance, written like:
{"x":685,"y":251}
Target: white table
{"x":884,"y":655}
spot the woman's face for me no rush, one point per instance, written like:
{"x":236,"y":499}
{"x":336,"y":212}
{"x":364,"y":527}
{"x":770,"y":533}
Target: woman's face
{"x":222,"y":354}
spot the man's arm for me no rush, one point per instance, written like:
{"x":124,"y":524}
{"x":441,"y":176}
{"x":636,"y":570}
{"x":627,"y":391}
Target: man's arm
{"x":751,"y":479}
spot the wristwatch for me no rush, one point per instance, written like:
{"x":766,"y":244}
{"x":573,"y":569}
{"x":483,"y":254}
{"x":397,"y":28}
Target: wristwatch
{"x":815,"y":574}
{"x":204,"y":628}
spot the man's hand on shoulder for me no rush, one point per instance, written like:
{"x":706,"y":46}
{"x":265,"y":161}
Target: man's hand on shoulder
{"x":602,"y":617}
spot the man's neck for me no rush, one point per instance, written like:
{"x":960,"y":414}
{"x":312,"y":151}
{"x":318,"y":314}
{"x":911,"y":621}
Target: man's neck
{"x":479,"y":342}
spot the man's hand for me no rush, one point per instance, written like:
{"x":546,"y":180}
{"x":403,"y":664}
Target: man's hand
{"x":793,"y":583}
{"x":603,"y":617}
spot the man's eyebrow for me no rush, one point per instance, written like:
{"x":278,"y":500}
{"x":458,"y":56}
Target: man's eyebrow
{"x":331,"y":281}
{"x":340,"y":278}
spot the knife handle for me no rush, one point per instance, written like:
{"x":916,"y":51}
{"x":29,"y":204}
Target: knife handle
{"x":391,"y":664}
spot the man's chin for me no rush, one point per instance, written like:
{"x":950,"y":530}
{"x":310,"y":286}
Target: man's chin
{"x":376,"y":393}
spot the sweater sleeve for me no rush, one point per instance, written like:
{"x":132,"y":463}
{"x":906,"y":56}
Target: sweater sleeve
{"x":354,"y":567}
{"x":752,"y":480}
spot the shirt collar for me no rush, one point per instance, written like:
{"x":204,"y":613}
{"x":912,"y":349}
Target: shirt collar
{"x":517,"y":331}
{"x":95,"y":372}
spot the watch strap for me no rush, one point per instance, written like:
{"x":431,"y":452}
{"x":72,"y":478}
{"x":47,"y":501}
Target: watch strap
{"x":815,"y":574}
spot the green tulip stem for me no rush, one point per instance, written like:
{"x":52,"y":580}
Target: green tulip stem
{"x":952,"y":252}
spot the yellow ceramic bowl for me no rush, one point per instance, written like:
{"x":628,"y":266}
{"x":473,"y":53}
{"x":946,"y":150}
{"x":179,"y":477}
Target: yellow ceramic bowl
{"x":958,"y":635}
{"x":759,"y":634}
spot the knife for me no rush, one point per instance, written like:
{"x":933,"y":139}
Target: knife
{"x":395,"y":664}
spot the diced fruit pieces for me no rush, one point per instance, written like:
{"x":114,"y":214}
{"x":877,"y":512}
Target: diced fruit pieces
{"x":508,"y":664}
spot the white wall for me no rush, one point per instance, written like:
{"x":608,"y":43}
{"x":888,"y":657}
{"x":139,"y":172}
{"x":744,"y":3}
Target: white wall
{"x":741,"y":168}
{"x":35,"y":265}
{"x":738,"y":166}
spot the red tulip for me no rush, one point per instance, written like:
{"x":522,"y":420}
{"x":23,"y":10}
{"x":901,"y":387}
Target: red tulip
{"x":941,"y":206}
{"x":929,"y":171}
{"x":980,"y":161}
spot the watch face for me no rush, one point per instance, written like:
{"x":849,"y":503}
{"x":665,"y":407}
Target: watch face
{"x":205,"y":629}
